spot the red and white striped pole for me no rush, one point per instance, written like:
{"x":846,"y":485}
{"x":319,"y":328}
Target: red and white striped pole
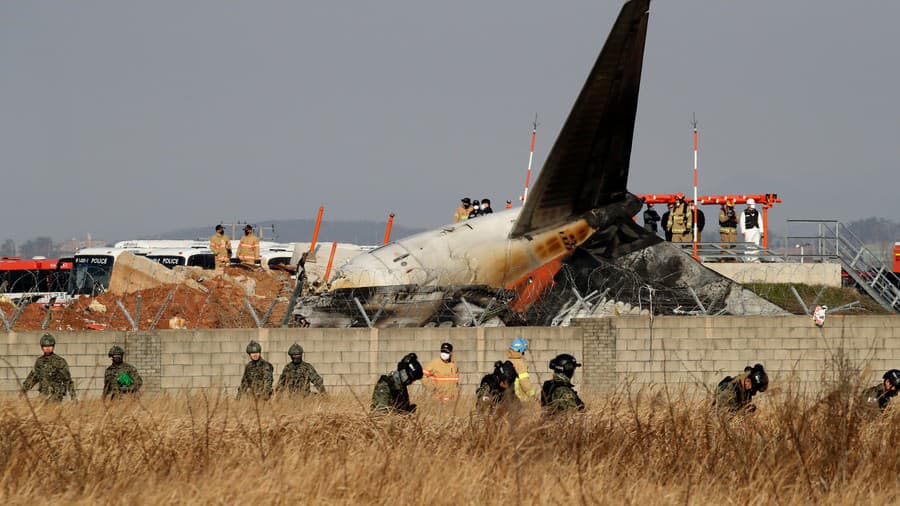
{"x":530,"y":158}
{"x":696,"y":148}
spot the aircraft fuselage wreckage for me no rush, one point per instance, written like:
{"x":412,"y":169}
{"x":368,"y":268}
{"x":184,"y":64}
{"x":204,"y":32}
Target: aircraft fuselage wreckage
{"x":465,"y":269}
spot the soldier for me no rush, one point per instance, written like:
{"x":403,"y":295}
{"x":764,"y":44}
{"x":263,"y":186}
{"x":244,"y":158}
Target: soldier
{"x":220,"y":244}
{"x":516,"y":354}
{"x":441,"y":375}
{"x":557,"y":394}
{"x":734,"y":394}
{"x":50,"y":373}
{"x":248,"y":248}
{"x":121,"y":378}
{"x":881,"y":394}
{"x":257,"y":380}
{"x":494,"y":390}
{"x":297,"y":374}
{"x":728,"y":223}
{"x":390,"y":394}
{"x":681,"y":221}
{"x":462,"y":212}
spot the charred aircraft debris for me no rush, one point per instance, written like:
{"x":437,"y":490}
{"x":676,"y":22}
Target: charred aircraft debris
{"x":576,"y":223}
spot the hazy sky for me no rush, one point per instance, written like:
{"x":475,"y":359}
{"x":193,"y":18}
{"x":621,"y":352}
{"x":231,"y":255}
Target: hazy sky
{"x":124,"y":118}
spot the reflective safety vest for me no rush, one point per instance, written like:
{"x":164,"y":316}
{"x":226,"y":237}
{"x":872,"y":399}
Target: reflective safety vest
{"x":220,"y":244}
{"x":248,"y":249}
{"x":441,"y":379}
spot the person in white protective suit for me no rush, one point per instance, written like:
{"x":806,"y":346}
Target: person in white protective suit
{"x":750,"y":226}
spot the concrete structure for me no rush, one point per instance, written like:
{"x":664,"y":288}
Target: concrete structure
{"x":132,"y":273}
{"x":635,"y":351}
{"x":828,"y":274}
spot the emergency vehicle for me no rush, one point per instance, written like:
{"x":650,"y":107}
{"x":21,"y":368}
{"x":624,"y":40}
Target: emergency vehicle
{"x":92,"y":269}
{"x":37,"y":279}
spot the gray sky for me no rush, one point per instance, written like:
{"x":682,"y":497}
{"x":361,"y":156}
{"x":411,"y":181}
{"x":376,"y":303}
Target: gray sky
{"x":130,"y":118}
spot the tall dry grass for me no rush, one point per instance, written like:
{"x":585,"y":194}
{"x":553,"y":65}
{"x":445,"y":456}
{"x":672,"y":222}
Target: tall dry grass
{"x":649,"y":447}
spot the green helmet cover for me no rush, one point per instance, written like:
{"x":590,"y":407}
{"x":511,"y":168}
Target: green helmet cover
{"x":295,"y":349}
{"x":116,"y":350}
{"x":48,"y":340}
{"x":254,"y":347}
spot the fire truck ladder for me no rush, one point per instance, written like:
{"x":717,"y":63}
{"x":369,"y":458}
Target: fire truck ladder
{"x":834,"y":241}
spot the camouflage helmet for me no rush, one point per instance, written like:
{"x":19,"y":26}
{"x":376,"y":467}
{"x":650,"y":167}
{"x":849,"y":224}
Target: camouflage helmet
{"x":893,"y":376}
{"x":254,"y":347}
{"x":564,"y":364}
{"x":48,"y":340}
{"x":295,"y":349}
{"x":116,"y":350}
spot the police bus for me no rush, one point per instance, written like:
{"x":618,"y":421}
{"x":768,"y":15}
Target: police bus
{"x":92,"y":268}
{"x":193,"y":257}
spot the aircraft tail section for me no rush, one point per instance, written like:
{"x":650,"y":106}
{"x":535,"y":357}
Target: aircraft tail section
{"x":587,"y":167}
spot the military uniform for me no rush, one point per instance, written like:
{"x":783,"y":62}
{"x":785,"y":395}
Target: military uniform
{"x":441,"y":379}
{"x":116,"y":385}
{"x":558,"y":395}
{"x":681,"y":223}
{"x":257,"y":380}
{"x":297,"y":377}
{"x":523,"y":387}
{"x":879,"y":395}
{"x":491,"y":395}
{"x":221,"y":246}
{"x":248,"y":249}
{"x":391,"y":395}
{"x":731,"y":395}
{"x":51,"y":374}
{"x":728,"y":225}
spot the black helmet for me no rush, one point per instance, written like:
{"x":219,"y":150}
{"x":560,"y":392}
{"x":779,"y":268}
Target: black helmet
{"x":254,"y":347}
{"x":48,"y":340}
{"x":410,"y":367}
{"x":446,"y":348}
{"x":505,"y":371}
{"x":295,"y":349}
{"x":466,"y":200}
{"x":116,"y":350}
{"x":758,"y":377}
{"x":893,"y":376}
{"x":564,"y":364}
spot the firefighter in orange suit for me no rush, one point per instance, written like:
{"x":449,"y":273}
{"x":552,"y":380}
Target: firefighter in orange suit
{"x":221,"y":246}
{"x":248,"y":249}
{"x":441,"y":376}
{"x":516,"y":355}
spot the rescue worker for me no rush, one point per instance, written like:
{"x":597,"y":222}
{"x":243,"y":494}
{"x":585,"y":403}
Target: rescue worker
{"x":50,"y":373}
{"x":297,"y":375}
{"x":516,"y":354}
{"x":121,"y":379}
{"x":220,"y":244}
{"x":681,"y":221}
{"x":667,"y":228}
{"x":728,"y":223}
{"x":558,"y":394}
{"x":441,"y":375}
{"x":462,"y":212}
{"x":258,"y":374}
{"x":734,"y":394}
{"x":248,"y":248}
{"x":651,"y":219}
{"x":882,"y":394}
{"x":391,"y":394}
{"x":751,"y":226}
{"x":701,"y":222}
{"x":494,"y":390}
{"x":476,"y":209}
{"x":486,"y":206}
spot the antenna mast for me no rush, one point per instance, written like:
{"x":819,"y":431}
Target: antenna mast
{"x":530,"y":157}
{"x":696,"y":149}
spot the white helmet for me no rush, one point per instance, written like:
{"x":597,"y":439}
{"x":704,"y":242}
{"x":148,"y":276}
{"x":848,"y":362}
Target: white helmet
{"x":750,"y":202}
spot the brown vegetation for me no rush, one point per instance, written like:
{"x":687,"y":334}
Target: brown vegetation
{"x":646,"y":448}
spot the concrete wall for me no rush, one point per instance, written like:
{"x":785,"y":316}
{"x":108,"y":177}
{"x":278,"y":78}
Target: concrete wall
{"x":828,"y":274}
{"x":692,"y":351}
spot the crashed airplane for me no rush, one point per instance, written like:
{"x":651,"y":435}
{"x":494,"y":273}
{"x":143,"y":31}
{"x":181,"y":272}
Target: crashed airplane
{"x":580,"y":194}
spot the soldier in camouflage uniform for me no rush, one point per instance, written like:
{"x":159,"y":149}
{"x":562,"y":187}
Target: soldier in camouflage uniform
{"x":734,"y":394}
{"x":258,"y":374}
{"x":390,"y":394}
{"x":50,"y":373}
{"x":496,"y":389}
{"x":121,"y":379}
{"x":297,"y":375}
{"x":881,"y":394}
{"x":558,"y":394}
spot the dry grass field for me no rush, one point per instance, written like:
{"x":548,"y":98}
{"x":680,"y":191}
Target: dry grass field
{"x":643,"y":448}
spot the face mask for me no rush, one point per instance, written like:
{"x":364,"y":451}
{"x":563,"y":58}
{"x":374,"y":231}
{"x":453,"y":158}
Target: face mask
{"x":116,"y":359}
{"x":297,"y":359}
{"x":445,"y":356}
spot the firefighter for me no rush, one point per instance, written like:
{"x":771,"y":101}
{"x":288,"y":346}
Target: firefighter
{"x":681,"y":221}
{"x":220,"y":244}
{"x":516,"y":354}
{"x":462,"y":212}
{"x":728,"y":224}
{"x":441,"y":375}
{"x":248,"y":249}
{"x":667,"y":228}
{"x":651,"y":219}
{"x":735,"y":394}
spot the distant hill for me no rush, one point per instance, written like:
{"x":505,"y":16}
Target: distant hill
{"x":357,"y":232}
{"x":876,"y":230}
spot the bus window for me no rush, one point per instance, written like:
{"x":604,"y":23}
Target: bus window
{"x":203,"y":260}
{"x":90,"y":274}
